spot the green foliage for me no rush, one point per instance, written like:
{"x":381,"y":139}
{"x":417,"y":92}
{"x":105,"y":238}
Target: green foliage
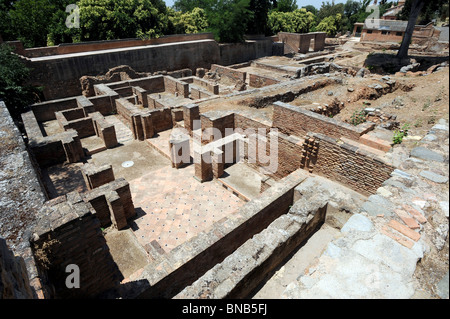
{"x":358,"y":117}
{"x":286,"y":6}
{"x":119,"y":19}
{"x":330,"y":24}
{"x":194,"y":21}
{"x":29,"y":21}
{"x":13,"y":74}
{"x":228,"y":21}
{"x":431,"y":10}
{"x":299,"y":20}
{"x":399,"y":135}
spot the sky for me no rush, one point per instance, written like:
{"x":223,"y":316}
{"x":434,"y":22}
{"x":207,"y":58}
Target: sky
{"x":300,"y":3}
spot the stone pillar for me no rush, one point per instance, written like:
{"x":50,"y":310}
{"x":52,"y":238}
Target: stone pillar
{"x":179,"y":149}
{"x":305,"y":43}
{"x":138,"y":131}
{"x":116,"y":209}
{"x":218,"y":164}
{"x":147,"y":126}
{"x":72,"y":146}
{"x":319,"y":42}
{"x":203,"y":166}
{"x":191,"y":112}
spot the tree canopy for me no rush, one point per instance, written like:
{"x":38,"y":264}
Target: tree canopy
{"x":13,"y":74}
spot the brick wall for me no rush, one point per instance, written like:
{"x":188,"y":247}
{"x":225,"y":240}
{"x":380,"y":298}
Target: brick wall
{"x":175,"y":86}
{"x":377,"y":35}
{"x":217,"y":120}
{"x":186,"y":263}
{"x":45,"y":111}
{"x":197,"y":94}
{"x":207,"y":85}
{"x":53,"y":149}
{"x":69,"y":233}
{"x":288,"y":159}
{"x":258,"y":81}
{"x":296,"y":121}
{"x":349,"y":165}
{"x":14,"y":281}
{"x":230,"y":73}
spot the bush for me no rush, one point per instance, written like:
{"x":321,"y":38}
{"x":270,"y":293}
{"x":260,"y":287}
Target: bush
{"x":399,"y":135}
{"x":358,"y":117}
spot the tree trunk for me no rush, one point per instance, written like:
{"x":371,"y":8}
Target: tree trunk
{"x":416,"y":7}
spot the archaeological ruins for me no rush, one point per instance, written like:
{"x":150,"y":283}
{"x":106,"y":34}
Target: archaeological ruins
{"x":183,"y":168}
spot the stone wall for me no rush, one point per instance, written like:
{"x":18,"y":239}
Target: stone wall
{"x":233,"y":53}
{"x":296,"y":121}
{"x":258,"y":81}
{"x":349,"y":165}
{"x":232,"y":74}
{"x":50,"y":150}
{"x":21,"y":191}
{"x":60,"y":74}
{"x":172,"y":272}
{"x":69,"y":234}
{"x":241,"y":272}
{"x":14,"y":281}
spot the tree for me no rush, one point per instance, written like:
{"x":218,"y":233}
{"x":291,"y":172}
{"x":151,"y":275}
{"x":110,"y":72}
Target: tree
{"x":330,"y":25}
{"x":416,"y":7}
{"x":13,"y":74}
{"x":257,"y":24}
{"x":29,"y":21}
{"x":311,"y":8}
{"x":286,"y":5}
{"x":228,"y":20}
{"x":298,"y":21}
{"x":189,"y":5}
{"x":188,"y":22}
{"x":119,"y":19}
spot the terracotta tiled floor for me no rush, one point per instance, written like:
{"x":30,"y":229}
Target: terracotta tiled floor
{"x":175,"y":207}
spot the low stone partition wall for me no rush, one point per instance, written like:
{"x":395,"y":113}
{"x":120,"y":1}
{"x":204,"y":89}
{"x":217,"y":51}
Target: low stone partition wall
{"x":296,"y":121}
{"x":106,"y":131}
{"x":45,"y":111}
{"x":176,"y":86}
{"x":349,"y":165}
{"x":230,"y":73}
{"x":112,"y":202}
{"x":170,"y":273}
{"x":51,"y":150}
{"x":276,"y":162}
{"x":259,"y":81}
{"x":209,"y":86}
{"x":242,"y":271}
{"x":217,"y":120}
{"x":69,"y":234}
{"x":301,"y":42}
{"x":84,"y":126}
{"x":197,"y":94}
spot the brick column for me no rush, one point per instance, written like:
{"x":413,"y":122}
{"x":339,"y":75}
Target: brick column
{"x":218,"y":164}
{"x":191,"y":112}
{"x":179,"y":149}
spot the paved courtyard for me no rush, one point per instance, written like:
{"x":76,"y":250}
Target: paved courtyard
{"x":172,"y":206}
